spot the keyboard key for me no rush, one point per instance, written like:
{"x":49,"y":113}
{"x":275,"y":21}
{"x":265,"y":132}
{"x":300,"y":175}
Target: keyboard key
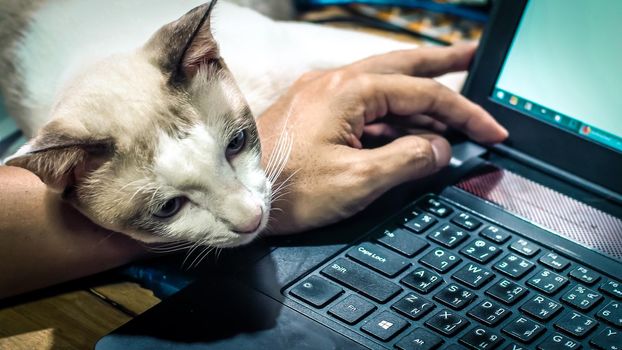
{"x":447,"y":323}
{"x":608,"y":339}
{"x":440,"y":260}
{"x":316,"y":291}
{"x":466,"y":221}
{"x":352,"y":309}
{"x":495,"y":234}
{"x":514,"y":346}
{"x":402,"y":241}
{"x":557,"y":341}
{"x":361,"y":279}
{"x":455,"y":347}
{"x":611,"y":313}
{"x":554,"y":261}
{"x":436,"y":207}
{"x":524,"y":329}
{"x":473,"y":276}
{"x":419,"y":339}
{"x":525,"y":247}
{"x":584,"y":275}
{"x":422,"y":280}
{"x":541,"y":308}
{"x":410,"y":214}
{"x":575,"y":324}
{"x":582,"y":298}
{"x":489,"y":313}
{"x":420,"y":223}
{"x":448,"y":236}
{"x":612,"y":288}
{"x":481,"y":251}
{"x":385,"y":325}
{"x":481,"y":339}
{"x":514,"y":266}
{"x":378,"y":258}
{"x":547,"y":281}
{"x":455,"y":296}
{"x":413,"y":306}
{"x":506,"y":291}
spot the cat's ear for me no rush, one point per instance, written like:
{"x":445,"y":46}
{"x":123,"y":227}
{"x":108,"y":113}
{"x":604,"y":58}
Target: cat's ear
{"x":181,"y":47}
{"x":61,"y":160}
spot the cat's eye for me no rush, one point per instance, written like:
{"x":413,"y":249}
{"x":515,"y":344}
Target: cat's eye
{"x":170,"y":208}
{"x":237,"y":143}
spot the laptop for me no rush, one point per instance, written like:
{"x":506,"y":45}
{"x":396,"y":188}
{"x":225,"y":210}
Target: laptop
{"x":516,"y":246}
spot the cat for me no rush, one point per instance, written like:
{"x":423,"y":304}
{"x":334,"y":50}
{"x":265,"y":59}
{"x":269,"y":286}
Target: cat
{"x":148,"y":128}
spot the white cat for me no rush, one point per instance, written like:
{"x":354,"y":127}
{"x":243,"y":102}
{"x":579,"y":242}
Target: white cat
{"x":151,"y":134}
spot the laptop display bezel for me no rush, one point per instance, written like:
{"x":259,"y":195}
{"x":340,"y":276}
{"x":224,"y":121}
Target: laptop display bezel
{"x":562,"y":149}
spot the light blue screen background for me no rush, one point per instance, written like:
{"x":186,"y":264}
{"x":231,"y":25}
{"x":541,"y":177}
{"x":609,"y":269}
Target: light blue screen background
{"x":567,"y":56}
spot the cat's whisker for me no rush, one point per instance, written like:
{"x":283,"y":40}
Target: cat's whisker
{"x":276,"y":154}
{"x":206,"y":251}
{"x":194,"y":247}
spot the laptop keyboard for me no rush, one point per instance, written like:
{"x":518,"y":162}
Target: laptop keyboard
{"x":440,"y":277}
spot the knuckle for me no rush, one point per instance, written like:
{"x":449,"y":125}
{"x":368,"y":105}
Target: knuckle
{"x":422,"y":154}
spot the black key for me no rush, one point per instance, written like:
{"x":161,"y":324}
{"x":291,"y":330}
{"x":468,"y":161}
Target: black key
{"x":436,"y":207}
{"x":514,"y":266}
{"x":361,"y":279}
{"x":384,"y":326}
{"x":612,"y":288}
{"x":422,"y":280}
{"x":525,"y":247}
{"x":455,"y":296}
{"x":495,"y":234}
{"x":379,"y":258}
{"x":514,"y":346}
{"x":419,"y":339}
{"x":481,"y":339}
{"x":448,"y":235}
{"x":524,"y":329}
{"x":455,"y":347}
{"x":541,"y":308}
{"x":447,"y":323}
{"x":352,"y":309}
{"x":608,"y":339}
{"x":611,"y":313}
{"x":582,"y":298}
{"x":554,"y":261}
{"x":557,"y":341}
{"x":473,"y":275}
{"x":466,"y":221}
{"x":584,"y":275}
{"x":409,"y":215}
{"x":547,"y":281}
{"x":481,"y":251}
{"x":420,"y":223}
{"x":316,"y":291}
{"x":413,"y":306}
{"x":489,"y":313}
{"x":402,"y":241}
{"x":440,"y":260}
{"x":506,"y":291}
{"x":575,"y":324}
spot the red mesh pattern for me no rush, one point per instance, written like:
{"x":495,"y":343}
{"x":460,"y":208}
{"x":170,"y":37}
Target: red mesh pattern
{"x":549,"y":209}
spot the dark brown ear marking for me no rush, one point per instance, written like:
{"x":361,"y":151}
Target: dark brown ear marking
{"x":180,"y":47}
{"x":61,"y":161}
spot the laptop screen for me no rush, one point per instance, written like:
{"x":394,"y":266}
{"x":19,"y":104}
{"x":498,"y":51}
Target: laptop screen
{"x":564,"y":67}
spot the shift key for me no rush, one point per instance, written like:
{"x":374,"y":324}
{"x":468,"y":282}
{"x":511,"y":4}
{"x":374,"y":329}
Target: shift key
{"x":378,"y":258}
{"x":362,"y":280}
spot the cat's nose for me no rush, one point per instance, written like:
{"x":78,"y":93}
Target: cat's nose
{"x":252,"y":224}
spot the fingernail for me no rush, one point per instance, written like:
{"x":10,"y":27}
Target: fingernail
{"x":442,"y":152}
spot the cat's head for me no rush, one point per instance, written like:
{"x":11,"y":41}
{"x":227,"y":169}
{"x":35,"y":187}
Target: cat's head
{"x":158,"y":143}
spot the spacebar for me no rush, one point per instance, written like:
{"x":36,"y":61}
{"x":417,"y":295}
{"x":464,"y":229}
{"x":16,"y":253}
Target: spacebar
{"x":361,"y":279}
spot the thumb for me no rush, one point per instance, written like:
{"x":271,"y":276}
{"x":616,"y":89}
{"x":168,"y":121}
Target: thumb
{"x":407,"y":158}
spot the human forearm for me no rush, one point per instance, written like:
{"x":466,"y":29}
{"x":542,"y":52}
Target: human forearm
{"x":43,"y":241}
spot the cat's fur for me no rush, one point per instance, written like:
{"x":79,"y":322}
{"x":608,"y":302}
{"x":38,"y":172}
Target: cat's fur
{"x":123,"y":119}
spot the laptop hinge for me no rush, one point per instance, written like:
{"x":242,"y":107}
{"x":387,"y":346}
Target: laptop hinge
{"x":559,"y":173}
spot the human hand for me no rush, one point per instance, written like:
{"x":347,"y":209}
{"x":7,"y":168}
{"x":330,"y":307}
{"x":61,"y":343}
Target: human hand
{"x":329,"y":175}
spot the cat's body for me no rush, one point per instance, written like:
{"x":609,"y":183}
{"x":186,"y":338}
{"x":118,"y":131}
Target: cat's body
{"x":148,"y":134}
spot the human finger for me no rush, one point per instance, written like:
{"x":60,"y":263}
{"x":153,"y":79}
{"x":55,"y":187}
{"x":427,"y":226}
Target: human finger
{"x":405,"y":96}
{"x":429,"y":61}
